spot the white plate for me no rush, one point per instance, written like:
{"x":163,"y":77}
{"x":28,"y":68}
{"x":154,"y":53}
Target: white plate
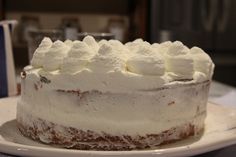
{"x":220,"y":131}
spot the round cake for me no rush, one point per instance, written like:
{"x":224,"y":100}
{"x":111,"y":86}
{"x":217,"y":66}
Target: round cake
{"x":107,"y":95}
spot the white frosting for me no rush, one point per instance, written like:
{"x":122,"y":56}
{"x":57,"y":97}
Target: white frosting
{"x":38,"y":57}
{"x":202,"y":62}
{"x":133,"y":46}
{"x":107,"y":60}
{"x":136,"y":80}
{"x":77,"y":58}
{"x":139,"y":112}
{"x":113,"y":66}
{"x":90,"y":41}
{"x":163,"y":47}
{"x":55,"y":55}
{"x":120,"y":49}
{"x":68,"y":43}
{"x":101,"y":42}
{"x":146,"y":61}
{"x":179,"y":61}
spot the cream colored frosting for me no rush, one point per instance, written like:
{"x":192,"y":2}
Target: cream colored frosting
{"x":113,"y":66}
{"x":136,"y":80}
{"x":139,"y":56}
{"x":106,"y":60}
{"x":202,"y":62}
{"x":91,"y":42}
{"x":136,"y":113}
{"x":54,"y":56}
{"x":146,"y":61}
{"x":68,"y":42}
{"x":179,"y":61}
{"x":77,"y":57}
{"x":37,"y":60}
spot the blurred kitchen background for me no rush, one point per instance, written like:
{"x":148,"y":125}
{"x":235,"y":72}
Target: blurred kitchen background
{"x":209,"y":24}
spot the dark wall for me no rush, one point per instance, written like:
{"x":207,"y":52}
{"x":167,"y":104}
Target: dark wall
{"x":69,"y":6}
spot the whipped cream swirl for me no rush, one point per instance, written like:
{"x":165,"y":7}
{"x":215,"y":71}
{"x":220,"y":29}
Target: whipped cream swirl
{"x":146,"y":61}
{"x":68,"y":43}
{"x":202,"y":62}
{"x":55,"y":55}
{"x":91,"y":42}
{"x":179,"y":62}
{"x":39,"y":54}
{"x":107,"y":60}
{"x":137,"y":64}
{"x":77,"y":58}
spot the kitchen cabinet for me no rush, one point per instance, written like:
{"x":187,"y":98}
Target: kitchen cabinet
{"x":209,"y":24}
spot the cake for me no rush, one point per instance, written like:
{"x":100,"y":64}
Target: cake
{"x":106,"y":95}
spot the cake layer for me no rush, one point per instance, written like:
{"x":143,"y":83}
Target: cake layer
{"x":69,"y":137}
{"x":145,"y":112}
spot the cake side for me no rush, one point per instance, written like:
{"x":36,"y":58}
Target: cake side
{"x":74,"y":138}
{"x":117,"y":112}
{"x":158,"y":129}
{"x":112,"y":96}
{"x":161,"y":120}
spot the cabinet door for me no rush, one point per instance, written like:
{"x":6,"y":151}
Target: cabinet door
{"x":189,"y":21}
{"x":226,"y":25}
{"x":1,"y":10}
